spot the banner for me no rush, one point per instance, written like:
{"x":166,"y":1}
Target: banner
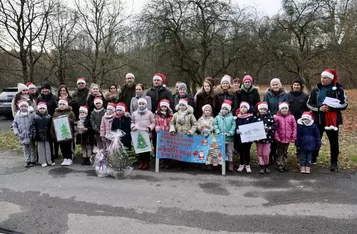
{"x":252,"y":132}
{"x":141,"y":141}
{"x":194,"y":149}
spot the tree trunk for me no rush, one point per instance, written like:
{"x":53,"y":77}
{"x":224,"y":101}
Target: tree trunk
{"x":24,"y":65}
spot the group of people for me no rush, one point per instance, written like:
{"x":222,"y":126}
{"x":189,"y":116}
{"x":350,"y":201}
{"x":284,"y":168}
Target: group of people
{"x":221,"y":108}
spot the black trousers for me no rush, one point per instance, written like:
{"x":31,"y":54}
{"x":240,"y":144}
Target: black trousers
{"x":272,"y":154}
{"x":244,"y":152}
{"x":334,"y":146}
{"x":154,"y":139}
{"x":145,"y":157}
{"x":66,"y":149}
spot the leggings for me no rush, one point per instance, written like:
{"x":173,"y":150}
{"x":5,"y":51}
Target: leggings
{"x":263,"y":150}
{"x":244,"y":151}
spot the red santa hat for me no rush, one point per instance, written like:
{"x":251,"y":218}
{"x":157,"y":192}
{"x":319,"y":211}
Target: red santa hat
{"x":42,"y":105}
{"x":83,"y":109}
{"x":121,"y":106}
{"x":307,"y":115}
{"x":164,"y":102}
{"x":160,"y":76}
{"x":261,"y":105}
{"x":283,"y":104}
{"x":98,"y":100}
{"x":111,"y":106}
{"x":227,"y":104}
{"x":30,"y":85}
{"x":184,"y":101}
{"x":226,"y":78}
{"x":206,"y":106}
{"x":21,"y":87}
{"x":22,"y":103}
{"x":332,"y":74}
{"x":246,"y":104}
{"x":143,"y":100}
{"x":63,"y":101}
{"x":81,"y":80}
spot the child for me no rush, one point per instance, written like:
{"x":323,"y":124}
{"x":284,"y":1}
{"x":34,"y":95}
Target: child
{"x":284,"y":135}
{"x":205,"y":122}
{"x":144,"y":120}
{"x":308,"y":140}
{"x":163,"y":117}
{"x":66,"y":146}
{"x":224,"y":124}
{"x":22,"y":129}
{"x":183,"y":122}
{"x":122,"y":121}
{"x":41,"y":132}
{"x":263,"y":146}
{"x":96,"y":119}
{"x":243,"y":117}
{"x":85,"y":135}
{"x":106,"y":124}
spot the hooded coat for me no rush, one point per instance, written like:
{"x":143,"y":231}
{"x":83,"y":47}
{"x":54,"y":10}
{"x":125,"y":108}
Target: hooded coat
{"x":185,"y":124}
{"x":79,"y":99}
{"x":71,"y":117}
{"x":251,"y":95}
{"x":106,"y":124}
{"x":308,"y":136}
{"x":273,"y":99}
{"x":143,"y":121}
{"x":22,"y":127}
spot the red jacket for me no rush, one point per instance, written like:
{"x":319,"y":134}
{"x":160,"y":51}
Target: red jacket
{"x":286,"y":128}
{"x":162,"y":122}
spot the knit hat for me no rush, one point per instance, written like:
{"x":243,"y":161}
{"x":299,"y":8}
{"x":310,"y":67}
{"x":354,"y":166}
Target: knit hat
{"x":283,"y":104}
{"x":332,"y":74}
{"x":30,"y":85}
{"x":307,"y":115}
{"x":121,"y":106}
{"x":299,"y":81}
{"x":206,"y":106}
{"x":142,"y":100}
{"x":261,"y":105}
{"x":22,"y":102}
{"x":42,"y":105}
{"x":227,"y":104}
{"x":247,"y":77}
{"x":46,"y":86}
{"x":244,"y":104}
{"x":21,"y":87}
{"x":111,"y":106}
{"x":83,"y":109}
{"x":160,"y":76}
{"x":81,"y":80}
{"x":182,"y":86}
{"x":227,"y":78}
{"x":63,"y":101}
{"x":130,"y":75}
{"x":98,"y":100}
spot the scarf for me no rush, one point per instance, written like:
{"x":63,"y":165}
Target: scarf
{"x":108,"y":116}
{"x":142,"y":111}
{"x":323,"y":93}
{"x":243,"y":116}
{"x":23,"y":113}
{"x":181,"y":117}
{"x":98,"y":110}
{"x":137,"y":95}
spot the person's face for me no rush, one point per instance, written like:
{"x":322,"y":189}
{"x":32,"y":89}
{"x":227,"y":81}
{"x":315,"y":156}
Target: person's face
{"x":296,"y":87}
{"x":98,"y":105}
{"x":25,"y":92}
{"x":32,"y":90}
{"x":81,"y":85}
{"x":45,"y":91}
{"x":207,"y":112}
{"x":62,"y":106}
{"x":306,"y":121}
{"x":275,"y":86}
{"x":284,"y":110}
{"x":157,"y":82}
{"x":113,"y":89}
{"x":24,"y":108}
{"x":247,"y":84}
{"x":243,"y":110}
{"x":42,"y":111}
{"x":224,"y":111}
{"x":130,"y":80}
{"x":139,"y":90}
{"x":177,"y":86}
{"x":110,"y":112}
{"x":236,"y":85}
{"x":206,"y":87}
{"x":182,"y":92}
{"x":63,"y":92}
{"x":164,"y":108}
{"x":142,"y":105}
{"x":95,"y":90}
{"x":82,"y":113}
{"x":225,"y":85}
{"x":263,"y":111}
{"x":120,"y":112}
{"x":325,"y":80}
{"x":182,"y":107}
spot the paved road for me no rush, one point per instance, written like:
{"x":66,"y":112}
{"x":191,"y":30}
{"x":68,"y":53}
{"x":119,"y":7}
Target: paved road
{"x":74,"y":200}
{"x":5,"y":124}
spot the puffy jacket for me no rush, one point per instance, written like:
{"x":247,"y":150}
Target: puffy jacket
{"x":229,"y":94}
{"x":225,"y":125}
{"x":157,"y":94}
{"x":22,"y":127}
{"x":251,"y":96}
{"x":69,"y":113}
{"x":308,"y":136}
{"x":162,"y":121}
{"x":96,"y":120}
{"x":143,"y":121}
{"x":106,"y":124}
{"x":51,"y":102}
{"x":134,"y":103}
{"x":241,"y":120}
{"x":297,"y":102}
{"x":286,"y":128}
{"x":123,"y":123}
{"x":202,"y":98}
{"x":111,"y":97}
{"x":41,"y":127}
{"x":79,"y":99}
{"x":269,"y":125}
{"x":186,"y":125}
{"x":274,"y":98}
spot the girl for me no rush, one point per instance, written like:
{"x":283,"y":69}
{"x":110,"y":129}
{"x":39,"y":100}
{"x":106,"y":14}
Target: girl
{"x":284,"y":135}
{"x":122,"y":121}
{"x":139,"y":93}
{"x":22,"y":94}
{"x":226,"y":91}
{"x":183,"y":93}
{"x":143,"y":119}
{"x":112,"y":95}
{"x":66,"y":146}
{"x":22,"y":129}
{"x":163,"y":117}
{"x":243,"y":117}
{"x":84,"y":134}
{"x":249,"y":93}
{"x":206,"y":95}
{"x":94,"y":92}
{"x":96,"y":119}
{"x":205,"y":123}
{"x":106,"y":124}
{"x":308,"y":140}
{"x":224,"y":124}
{"x":263,"y":146}
{"x":183,"y":122}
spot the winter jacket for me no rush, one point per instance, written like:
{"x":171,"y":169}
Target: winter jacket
{"x":230,"y":94}
{"x":22,"y":127}
{"x":18,"y":97}
{"x":313,"y":105}
{"x":41,"y":127}
{"x":96,"y":119}
{"x":308,"y":136}
{"x":274,"y":98}
{"x":162,"y":121}
{"x":134,"y":103}
{"x":184,"y":124}
{"x":297,"y":102}
{"x":269,"y":124}
{"x":286,"y":128}
{"x":50,"y":100}
{"x":87,"y":137}
{"x":90,"y":102}
{"x":191,"y":102}
{"x":106,"y":124}
{"x":126,"y":93}
{"x":157,"y":94}
{"x":241,"y":120}
{"x":225,"y":125}
{"x":251,"y":96}
{"x":202,"y":98}
{"x":205,"y":125}
{"x":79,"y":99}
{"x":143,"y":121}
{"x":69,"y":113}
{"x":123,"y":123}
{"x":111,"y":97}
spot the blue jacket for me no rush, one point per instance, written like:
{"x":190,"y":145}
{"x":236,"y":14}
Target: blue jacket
{"x":274,"y":98}
{"x":225,"y":125}
{"x":308,"y":137}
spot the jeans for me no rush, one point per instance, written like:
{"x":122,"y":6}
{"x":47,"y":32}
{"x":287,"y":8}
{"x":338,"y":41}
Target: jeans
{"x":305,"y":158}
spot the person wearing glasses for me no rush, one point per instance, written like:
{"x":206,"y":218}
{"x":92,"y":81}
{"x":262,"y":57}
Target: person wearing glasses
{"x":128,"y":90}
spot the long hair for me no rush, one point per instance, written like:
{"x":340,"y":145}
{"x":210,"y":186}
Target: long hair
{"x":59,"y":90}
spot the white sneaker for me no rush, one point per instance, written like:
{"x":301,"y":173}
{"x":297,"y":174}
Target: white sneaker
{"x":240,"y":168}
{"x":53,"y":164}
{"x":44,"y":165}
{"x":247,"y":168}
{"x":69,"y":162}
{"x":65,"y":162}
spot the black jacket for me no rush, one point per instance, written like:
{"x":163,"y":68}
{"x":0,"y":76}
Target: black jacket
{"x":123,"y":123}
{"x":51,"y":102}
{"x":202,"y":99}
{"x":126,"y":93}
{"x":41,"y":127}
{"x":86,"y":138}
{"x":157,"y":94}
{"x":297,"y":102}
{"x":90,"y":102}
{"x":269,"y":124}
{"x":79,"y":99}
{"x":251,"y":96}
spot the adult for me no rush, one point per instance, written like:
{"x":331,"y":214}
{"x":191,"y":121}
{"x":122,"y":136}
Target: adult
{"x":94,"y":92}
{"x":236,"y":84}
{"x":249,"y":93}
{"x":112,"y":95}
{"x":206,"y":95}
{"x":32,"y":91}
{"x":183,"y":93}
{"x":328,"y":87}
{"x":22,"y":94}
{"x":176,"y":89}
{"x":297,"y":99}
{"x":128,"y":89}
{"x":226,"y":91}
{"x":80,"y":95}
{"x":48,"y":97}
{"x":139,"y":93}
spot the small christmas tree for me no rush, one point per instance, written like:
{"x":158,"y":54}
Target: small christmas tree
{"x":65,"y":132}
{"x":141,"y":141}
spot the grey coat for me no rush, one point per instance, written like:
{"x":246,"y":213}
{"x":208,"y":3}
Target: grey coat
{"x":22,"y":127}
{"x":96,"y":119}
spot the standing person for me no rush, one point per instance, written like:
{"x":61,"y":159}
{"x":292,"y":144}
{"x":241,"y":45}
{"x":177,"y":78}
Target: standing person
{"x":236,"y":84}
{"x":207,"y":96}
{"x":85,"y":134}
{"x":328,"y":88}
{"x":284,"y":135}
{"x":226,"y":91}
{"x":225,"y":124}
{"x":22,"y":94}
{"x":308,"y":140}
{"x":22,"y":129}
{"x":112,"y":95}
{"x":94,"y":92}
{"x":80,"y":95}
{"x":128,"y":90}
{"x":122,"y":121}
{"x":106,"y":124}
{"x":139,"y":93}
{"x":144,"y":120}
{"x":249,"y":93}
{"x":176,"y":89}
{"x":32,"y":91}
{"x":205,"y":122}
{"x":96,"y":119}
{"x":41,"y":133}
{"x":297,"y":99}
{"x":183,"y":93}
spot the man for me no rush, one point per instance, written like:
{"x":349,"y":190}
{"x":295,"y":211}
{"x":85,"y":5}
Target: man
{"x":32,"y":90}
{"x":80,"y":96}
{"x":128,"y":90}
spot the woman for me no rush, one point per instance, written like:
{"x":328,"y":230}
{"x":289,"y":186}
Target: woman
{"x":93,"y":93}
{"x":64,"y":94}
{"x":249,"y":93}
{"x":226,"y":91}
{"x":183,"y":93}
{"x":274,"y":95}
{"x":206,"y":95}
{"x":112,"y":95}
{"x":22,"y":94}
{"x":139,"y":93}
{"x":297,"y":99}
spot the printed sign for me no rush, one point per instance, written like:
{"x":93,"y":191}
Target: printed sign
{"x":252,"y":132}
{"x":62,"y":128}
{"x":141,"y":141}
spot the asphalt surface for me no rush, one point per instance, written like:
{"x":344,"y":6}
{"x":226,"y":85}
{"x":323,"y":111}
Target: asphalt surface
{"x":74,"y":200}
{"x":5,"y":124}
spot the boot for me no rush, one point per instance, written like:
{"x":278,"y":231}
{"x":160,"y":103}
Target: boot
{"x":308,"y":170}
{"x":140,"y":165}
{"x":262,"y":169}
{"x":88,"y":162}
{"x":302,"y":170}
{"x":84,"y":161}
{"x":145,"y":166}
{"x":334,"y":167}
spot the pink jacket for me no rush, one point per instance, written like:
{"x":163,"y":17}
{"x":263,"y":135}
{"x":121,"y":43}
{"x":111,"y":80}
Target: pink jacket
{"x":143,"y":121}
{"x":106,"y":124}
{"x":286,"y":128}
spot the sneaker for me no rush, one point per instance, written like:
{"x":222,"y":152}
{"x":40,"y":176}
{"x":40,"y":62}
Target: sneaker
{"x":267,"y":170}
{"x":44,"y":165}
{"x":53,"y":164}
{"x":230,"y":166}
{"x":262,"y":171}
{"x":69,"y":162}
{"x":28,"y":164}
{"x":247,"y":168}
{"x":307,"y":170}
{"x":65,"y":162}
{"x":333,"y":168}
{"x":240,"y":168}
{"x":302,"y":170}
